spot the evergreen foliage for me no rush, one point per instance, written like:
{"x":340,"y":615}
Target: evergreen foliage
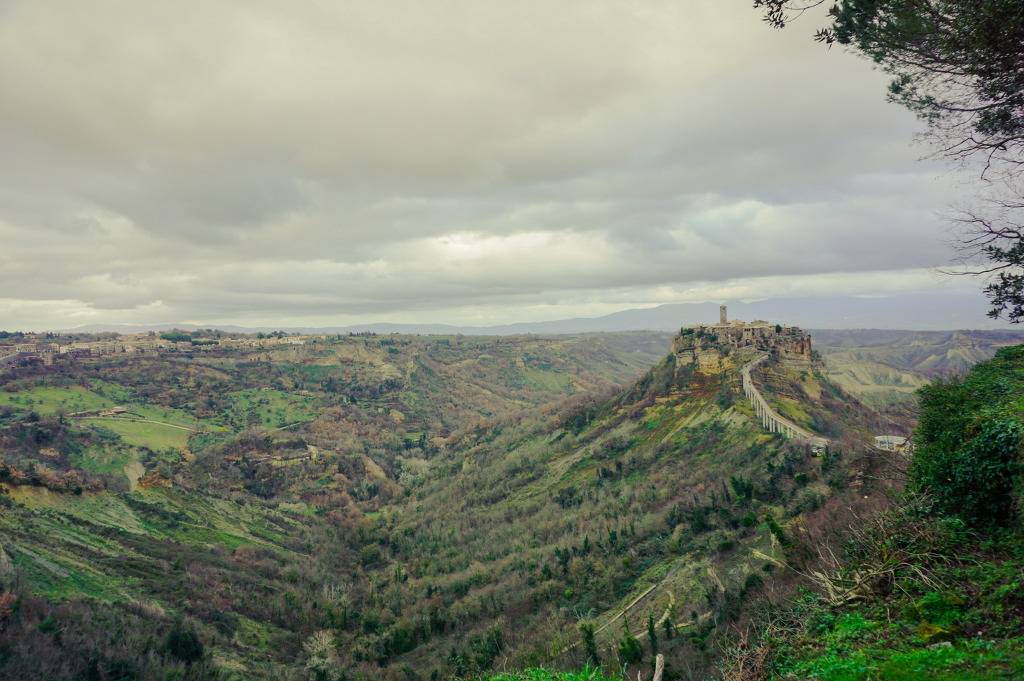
{"x":589,"y":644}
{"x":183,"y":643}
{"x":630,"y":650}
{"x":968,"y":441}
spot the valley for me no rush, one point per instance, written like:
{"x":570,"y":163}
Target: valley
{"x":883,"y":368}
{"x":432,"y":507}
{"x":429,"y":502}
{"x":392,"y":342}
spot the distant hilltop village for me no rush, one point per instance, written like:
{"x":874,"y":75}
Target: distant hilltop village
{"x":710,"y":346}
{"x":38,"y":349}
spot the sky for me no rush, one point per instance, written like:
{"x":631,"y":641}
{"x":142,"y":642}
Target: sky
{"x":476,"y":162}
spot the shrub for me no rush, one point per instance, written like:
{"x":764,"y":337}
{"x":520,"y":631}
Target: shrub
{"x":776,"y":529}
{"x":753,"y":581}
{"x":630,"y":650}
{"x":968,"y":444}
{"x":183,"y":643}
{"x":589,"y":644}
{"x":322,"y":662}
{"x":744,"y":489}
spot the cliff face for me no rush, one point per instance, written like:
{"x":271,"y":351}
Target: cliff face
{"x":702,"y":351}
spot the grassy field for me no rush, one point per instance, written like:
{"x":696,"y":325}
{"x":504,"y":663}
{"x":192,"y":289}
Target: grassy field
{"x":155,"y":412}
{"x":270,"y":408}
{"x":152,"y":426}
{"x":155,"y":436}
{"x":106,"y":458}
{"x":51,"y":399}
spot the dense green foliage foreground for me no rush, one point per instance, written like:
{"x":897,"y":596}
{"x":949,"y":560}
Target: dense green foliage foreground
{"x":935,"y":587}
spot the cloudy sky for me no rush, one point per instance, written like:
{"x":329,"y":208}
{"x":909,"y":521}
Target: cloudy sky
{"x":475,"y":162}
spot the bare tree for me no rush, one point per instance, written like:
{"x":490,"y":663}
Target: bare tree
{"x":991,"y":242}
{"x":958,"y":65}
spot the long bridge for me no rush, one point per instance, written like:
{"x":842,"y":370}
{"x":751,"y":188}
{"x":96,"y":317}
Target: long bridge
{"x":771,"y":420}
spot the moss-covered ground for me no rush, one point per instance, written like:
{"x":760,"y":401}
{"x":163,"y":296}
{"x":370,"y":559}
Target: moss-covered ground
{"x":964,"y":624}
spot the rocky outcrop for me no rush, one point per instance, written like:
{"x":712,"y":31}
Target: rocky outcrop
{"x":710,"y":348}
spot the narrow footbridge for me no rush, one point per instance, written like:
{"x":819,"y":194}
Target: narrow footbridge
{"x":771,"y":420}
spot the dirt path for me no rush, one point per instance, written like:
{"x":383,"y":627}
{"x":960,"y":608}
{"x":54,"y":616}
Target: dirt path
{"x":636,"y":601}
{"x":291,"y":425}
{"x":632,"y":605}
{"x":138,"y":420}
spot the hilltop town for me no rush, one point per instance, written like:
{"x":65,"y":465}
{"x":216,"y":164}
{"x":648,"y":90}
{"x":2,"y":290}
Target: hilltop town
{"x":48,"y":349}
{"x":711,"y":347}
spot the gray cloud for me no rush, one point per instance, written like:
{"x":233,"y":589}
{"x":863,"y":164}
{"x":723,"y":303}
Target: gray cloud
{"x":451,"y":161}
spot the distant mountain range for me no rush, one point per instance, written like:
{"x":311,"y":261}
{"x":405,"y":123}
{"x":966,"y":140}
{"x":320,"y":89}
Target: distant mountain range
{"x":922,"y":311}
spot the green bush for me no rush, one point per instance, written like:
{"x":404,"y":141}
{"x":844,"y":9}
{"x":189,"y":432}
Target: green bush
{"x":969,"y":440}
{"x":630,"y":650}
{"x":977,"y":481}
{"x":589,"y":644}
{"x":776,"y":529}
{"x":183,"y":643}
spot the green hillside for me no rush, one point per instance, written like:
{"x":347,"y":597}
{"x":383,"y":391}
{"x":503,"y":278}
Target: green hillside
{"x":665,"y":502}
{"x":933,"y":587}
{"x":884,"y":368}
{"x":190,"y":488}
{"x":377,"y":538}
{"x":546,"y":675}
